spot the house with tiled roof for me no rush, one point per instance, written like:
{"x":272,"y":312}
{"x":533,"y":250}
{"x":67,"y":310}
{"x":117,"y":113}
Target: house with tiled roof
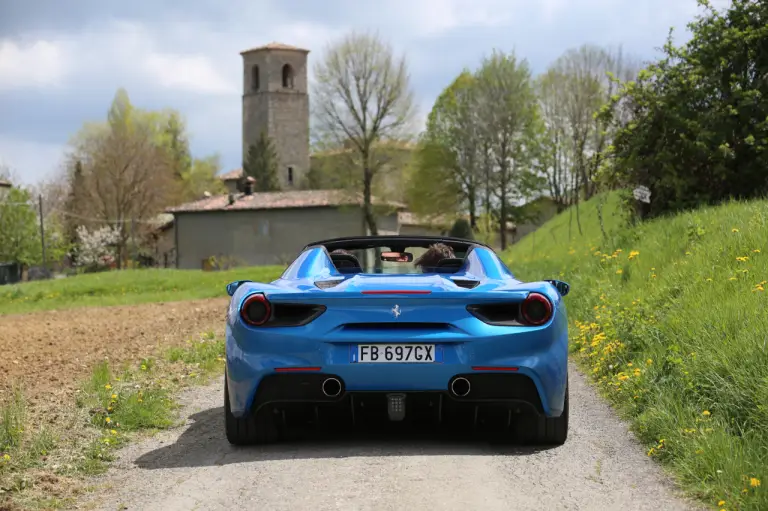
{"x":265,"y":228}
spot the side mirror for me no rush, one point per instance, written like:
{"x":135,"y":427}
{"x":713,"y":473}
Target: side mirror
{"x":232,"y":286}
{"x":562,"y":287}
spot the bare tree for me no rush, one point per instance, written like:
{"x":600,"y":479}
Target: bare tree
{"x":127,"y":178}
{"x":556,"y":150}
{"x":362,"y":97}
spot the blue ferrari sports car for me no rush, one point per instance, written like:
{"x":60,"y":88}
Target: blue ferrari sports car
{"x":355,"y":332}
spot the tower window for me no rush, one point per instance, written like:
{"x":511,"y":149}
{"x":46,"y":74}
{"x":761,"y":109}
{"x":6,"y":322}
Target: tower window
{"x":255,"y":78}
{"x":288,"y":76}
{"x":290,"y":175}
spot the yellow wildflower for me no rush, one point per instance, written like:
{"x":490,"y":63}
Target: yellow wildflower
{"x":143,"y":367}
{"x":6,"y":457}
{"x":649,"y":361}
{"x":706,"y":413}
{"x":107,"y":420}
{"x":114,"y":396}
{"x":754,"y":482}
{"x":114,"y":432}
{"x":107,"y":386}
{"x":756,"y":251}
{"x":734,"y":230}
{"x":619,"y":271}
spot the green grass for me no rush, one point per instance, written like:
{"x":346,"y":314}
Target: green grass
{"x":125,"y":287}
{"x":112,"y":407}
{"x":669,"y":320}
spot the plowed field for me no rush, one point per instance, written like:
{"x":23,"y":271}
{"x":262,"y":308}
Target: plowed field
{"x":51,"y":352}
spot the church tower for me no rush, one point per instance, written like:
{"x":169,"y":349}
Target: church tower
{"x":275,"y":100}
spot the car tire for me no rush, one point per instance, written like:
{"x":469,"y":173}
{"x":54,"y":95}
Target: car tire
{"x":554,"y":430}
{"x":249,"y":430}
{"x":540,"y":430}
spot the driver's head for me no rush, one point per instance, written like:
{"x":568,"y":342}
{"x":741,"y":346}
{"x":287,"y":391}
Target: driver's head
{"x":434,"y":254}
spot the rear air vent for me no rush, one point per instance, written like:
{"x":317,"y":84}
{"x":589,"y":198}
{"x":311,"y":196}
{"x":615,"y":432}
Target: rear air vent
{"x":466,"y":283}
{"x":500,"y":314}
{"x":293,"y":314}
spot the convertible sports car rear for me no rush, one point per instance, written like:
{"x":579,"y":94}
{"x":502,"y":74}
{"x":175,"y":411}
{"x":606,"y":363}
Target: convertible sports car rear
{"x":469,"y":347}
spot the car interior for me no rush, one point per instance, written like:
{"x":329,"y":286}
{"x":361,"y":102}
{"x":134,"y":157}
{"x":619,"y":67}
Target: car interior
{"x":350,"y":264}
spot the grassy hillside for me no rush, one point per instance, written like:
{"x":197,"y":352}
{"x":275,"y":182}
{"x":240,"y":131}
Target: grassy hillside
{"x":125,"y":287}
{"x":670,"y":319}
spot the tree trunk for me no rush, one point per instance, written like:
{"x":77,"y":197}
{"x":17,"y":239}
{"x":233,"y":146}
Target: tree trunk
{"x":370,"y":219}
{"x":503,"y":220}
{"x":473,"y":208}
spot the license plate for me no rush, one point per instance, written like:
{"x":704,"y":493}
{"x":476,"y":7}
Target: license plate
{"x":396,"y":353}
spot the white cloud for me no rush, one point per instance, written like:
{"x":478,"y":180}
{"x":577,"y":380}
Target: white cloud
{"x":40,"y":64}
{"x":188,"y":73}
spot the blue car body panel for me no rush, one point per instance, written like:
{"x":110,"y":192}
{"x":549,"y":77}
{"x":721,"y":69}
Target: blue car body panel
{"x":462,"y":340}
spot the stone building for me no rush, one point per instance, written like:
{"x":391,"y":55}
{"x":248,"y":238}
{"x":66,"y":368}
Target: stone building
{"x":275,"y":100}
{"x":245,"y":228}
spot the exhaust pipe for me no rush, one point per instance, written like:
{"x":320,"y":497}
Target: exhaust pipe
{"x":460,"y":387}
{"x":331,"y":387}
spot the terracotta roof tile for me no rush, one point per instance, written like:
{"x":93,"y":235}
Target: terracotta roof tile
{"x":4,"y":184}
{"x":275,"y":46}
{"x":231,"y":175}
{"x":277,"y":200}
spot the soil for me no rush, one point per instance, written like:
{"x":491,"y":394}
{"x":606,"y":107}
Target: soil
{"x":51,"y":352}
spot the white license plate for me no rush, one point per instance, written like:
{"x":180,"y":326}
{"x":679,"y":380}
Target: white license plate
{"x":397,"y":353}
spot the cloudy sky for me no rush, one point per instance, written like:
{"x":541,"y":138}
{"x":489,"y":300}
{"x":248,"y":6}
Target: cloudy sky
{"x":62,"y":61}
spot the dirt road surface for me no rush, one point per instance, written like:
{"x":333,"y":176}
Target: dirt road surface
{"x":599,"y":468}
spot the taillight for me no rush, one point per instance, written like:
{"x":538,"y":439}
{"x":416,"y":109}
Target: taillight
{"x":536,"y":309}
{"x":256,"y":310}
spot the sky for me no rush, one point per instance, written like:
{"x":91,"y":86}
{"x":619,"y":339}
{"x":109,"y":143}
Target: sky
{"x":62,"y":62}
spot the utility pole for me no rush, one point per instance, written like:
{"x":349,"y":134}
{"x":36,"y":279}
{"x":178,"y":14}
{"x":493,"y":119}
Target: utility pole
{"x":42,"y":230}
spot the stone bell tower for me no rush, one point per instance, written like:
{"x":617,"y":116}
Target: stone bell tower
{"x":275,"y":100}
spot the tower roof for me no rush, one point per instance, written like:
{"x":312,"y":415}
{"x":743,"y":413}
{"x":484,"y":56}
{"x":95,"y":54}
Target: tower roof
{"x":274,"y":46}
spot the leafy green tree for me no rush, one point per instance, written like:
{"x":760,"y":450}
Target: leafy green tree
{"x":261,"y":164}
{"x":699,"y":132}
{"x":19,"y":233}
{"x":202,"y":177}
{"x":461,"y":229}
{"x":508,"y":111}
{"x":448,"y":163}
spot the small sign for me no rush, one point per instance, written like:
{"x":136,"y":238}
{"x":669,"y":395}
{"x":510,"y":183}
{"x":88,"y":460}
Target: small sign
{"x":642,"y":193}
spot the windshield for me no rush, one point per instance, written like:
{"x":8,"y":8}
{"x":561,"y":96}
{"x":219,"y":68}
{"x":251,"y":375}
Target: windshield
{"x":405,"y":260}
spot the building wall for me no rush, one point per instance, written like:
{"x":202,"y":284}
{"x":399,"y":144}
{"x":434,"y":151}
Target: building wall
{"x":282,"y":112}
{"x":261,"y":237}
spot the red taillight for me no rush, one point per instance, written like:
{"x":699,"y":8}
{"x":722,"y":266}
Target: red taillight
{"x":256,"y":310}
{"x":536,"y":309}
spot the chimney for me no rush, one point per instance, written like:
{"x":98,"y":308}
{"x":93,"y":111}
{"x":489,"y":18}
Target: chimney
{"x":249,"y":182}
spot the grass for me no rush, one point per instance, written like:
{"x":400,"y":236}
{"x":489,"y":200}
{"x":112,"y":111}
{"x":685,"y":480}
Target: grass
{"x":669,"y":320}
{"x":43,"y":466}
{"x":125,"y":287}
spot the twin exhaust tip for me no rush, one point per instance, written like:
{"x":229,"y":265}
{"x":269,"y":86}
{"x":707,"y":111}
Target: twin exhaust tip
{"x":331,"y":387}
{"x":460,"y":387}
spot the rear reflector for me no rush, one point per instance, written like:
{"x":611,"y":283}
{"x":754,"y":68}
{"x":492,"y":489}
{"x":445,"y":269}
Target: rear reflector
{"x":493,"y":368}
{"x":396,"y":292}
{"x":295,"y":369}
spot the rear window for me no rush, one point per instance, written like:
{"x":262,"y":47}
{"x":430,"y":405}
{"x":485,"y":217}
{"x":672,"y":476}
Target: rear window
{"x":370,"y":261}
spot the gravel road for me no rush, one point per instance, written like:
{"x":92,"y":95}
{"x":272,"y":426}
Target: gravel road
{"x":601,"y":467}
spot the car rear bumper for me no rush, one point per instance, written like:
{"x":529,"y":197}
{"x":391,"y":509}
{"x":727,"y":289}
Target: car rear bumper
{"x":536,"y":379}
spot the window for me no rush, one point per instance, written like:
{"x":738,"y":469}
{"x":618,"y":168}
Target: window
{"x":288,"y":76}
{"x":290,"y":175}
{"x":255,"y":78}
